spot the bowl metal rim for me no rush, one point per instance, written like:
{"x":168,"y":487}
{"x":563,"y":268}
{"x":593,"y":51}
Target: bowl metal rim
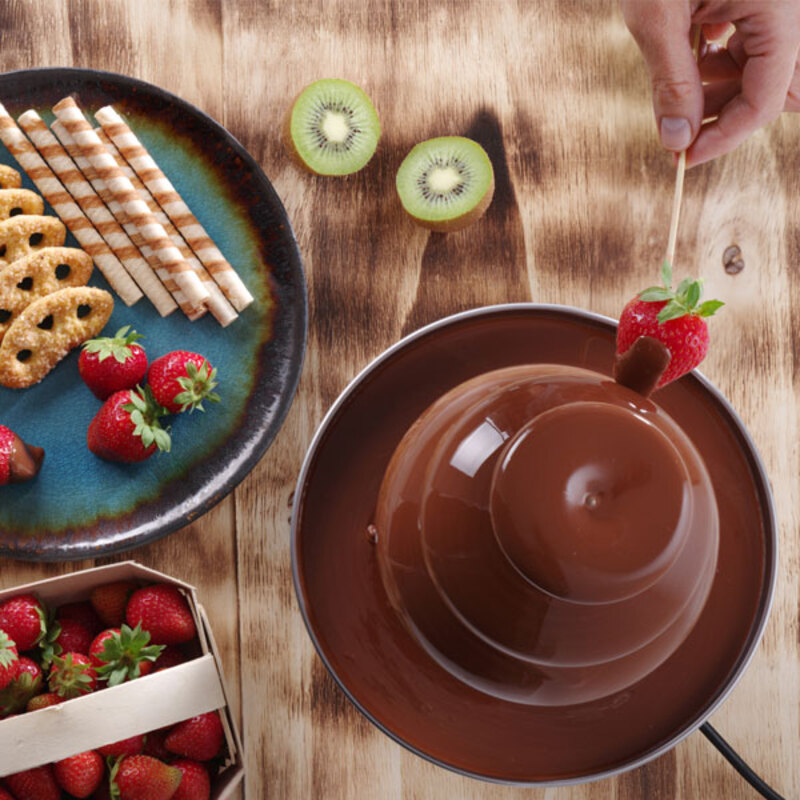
{"x":767,"y":592}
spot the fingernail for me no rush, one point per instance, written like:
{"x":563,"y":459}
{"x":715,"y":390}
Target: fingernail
{"x":676,"y":133}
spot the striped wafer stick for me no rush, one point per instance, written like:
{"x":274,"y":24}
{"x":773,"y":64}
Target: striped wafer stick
{"x":116,"y":209}
{"x":91,"y":205}
{"x":176,"y":209}
{"x":221,"y":309}
{"x":66,"y":208}
{"x":154,"y":234}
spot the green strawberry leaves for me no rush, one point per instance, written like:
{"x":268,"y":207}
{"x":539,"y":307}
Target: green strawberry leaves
{"x":144,"y":413}
{"x":71,"y":679}
{"x":113,"y":768}
{"x":198,"y":386}
{"x":682,"y":301}
{"x":124,"y":652}
{"x":7,"y":656}
{"x":117,"y":346}
{"x":48,"y":647}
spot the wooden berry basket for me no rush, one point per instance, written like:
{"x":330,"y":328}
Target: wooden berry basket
{"x":146,"y":704}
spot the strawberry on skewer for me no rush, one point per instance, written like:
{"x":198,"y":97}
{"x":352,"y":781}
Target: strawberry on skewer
{"x":675,"y":317}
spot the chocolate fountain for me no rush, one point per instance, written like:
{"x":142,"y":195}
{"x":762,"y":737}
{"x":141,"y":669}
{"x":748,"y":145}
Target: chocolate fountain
{"x":548,"y":535}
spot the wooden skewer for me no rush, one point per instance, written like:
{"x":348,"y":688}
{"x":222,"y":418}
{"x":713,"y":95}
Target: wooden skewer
{"x":677,"y":198}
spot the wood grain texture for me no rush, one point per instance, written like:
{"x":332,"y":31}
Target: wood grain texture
{"x":557,"y":93}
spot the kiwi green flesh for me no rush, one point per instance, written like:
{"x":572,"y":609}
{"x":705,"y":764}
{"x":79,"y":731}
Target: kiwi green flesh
{"x":333,"y":127}
{"x":445,"y":181}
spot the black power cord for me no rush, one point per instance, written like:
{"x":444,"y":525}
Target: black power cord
{"x":733,"y":758}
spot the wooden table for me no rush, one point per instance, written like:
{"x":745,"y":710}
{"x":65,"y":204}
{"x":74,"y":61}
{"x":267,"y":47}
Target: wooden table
{"x":558,"y":94}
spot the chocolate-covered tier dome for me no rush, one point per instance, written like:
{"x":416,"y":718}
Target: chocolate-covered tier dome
{"x":547,"y":535}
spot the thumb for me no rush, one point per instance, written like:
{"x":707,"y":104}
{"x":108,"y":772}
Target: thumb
{"x":661,"y":30}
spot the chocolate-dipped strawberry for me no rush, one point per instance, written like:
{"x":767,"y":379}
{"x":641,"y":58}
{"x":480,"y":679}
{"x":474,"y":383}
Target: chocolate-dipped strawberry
{"x":18,"y":461}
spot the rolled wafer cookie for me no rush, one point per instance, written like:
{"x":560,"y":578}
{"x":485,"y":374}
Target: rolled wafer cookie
{"x":154,"y":234}
{"x":19,"y":201}
{"x":9,"y":178}
{"x":27,"y":233}
{"x":94,"y":208}
{"x":116,"y":209}
{"x":66,"y":208}
{"x":220,"y":308}
{"x":48,"y":329}
{"x":134,"y":152}
{"x":38,"y":274}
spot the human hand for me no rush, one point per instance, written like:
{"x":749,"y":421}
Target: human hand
{"x":749,"y":80}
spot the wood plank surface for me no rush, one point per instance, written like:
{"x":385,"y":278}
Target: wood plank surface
{"x":557,"y":93}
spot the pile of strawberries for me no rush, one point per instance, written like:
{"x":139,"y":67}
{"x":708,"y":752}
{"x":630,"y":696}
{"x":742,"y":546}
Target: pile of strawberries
{"x":127,"y":427}
{"x":124,"y":631}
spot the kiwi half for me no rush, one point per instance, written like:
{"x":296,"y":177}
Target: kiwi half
{"x":332,"y":128}
{"x":447,"y":183}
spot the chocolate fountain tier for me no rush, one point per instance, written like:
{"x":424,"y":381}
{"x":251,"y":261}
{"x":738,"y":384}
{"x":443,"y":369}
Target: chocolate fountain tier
{"x":547,"y":535}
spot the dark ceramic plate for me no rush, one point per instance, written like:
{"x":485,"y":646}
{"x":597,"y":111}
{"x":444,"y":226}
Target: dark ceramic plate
{"x":384,"y":670}
{"x":80,"y":506}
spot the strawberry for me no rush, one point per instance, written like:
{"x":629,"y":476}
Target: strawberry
{"x":144,"y":778}
{"x":85,"y":614}
{"x":18,"y":461}
{"x":80,"y":775}
{"x":195,"y":784}
{"x":72,"y":675}
{"x":163,"y":611}
{"x":110,"y":599}
{"x":182,"y":380}
{"x":154,"y":745}
{"x":73,"y":637}
{"x":23,"y":618}
{"x":171,"y":657}
{"x":38,"y":783}
{"x":126,"y":428}
{"x":9,"y":660}
{"x":675,"y":317}
{"x":15,"y":697}
{"x":199,"y":738}
{"x":127,"y":747}
{"x":111,"y":364}
{"x":43,"y":701}
{"x":4,"y":795}
{"x":123,"y":654}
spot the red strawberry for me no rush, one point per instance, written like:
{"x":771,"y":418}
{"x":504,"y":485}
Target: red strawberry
{"x":145,"y":778}
{"x":72,"y":675}
{"x":123,"y":654}
{"x":154,"y":745}
{"x":111,"y":364}
{"x":674,"y":318}
{"x":163,"y":611}
{"x":199,"y":738}
{"x":23,"y":619}
{"x":43,"y":701}
{"x":9,"y":660}
{"x":18,"y":461}
{"x":34,"y":784}
{"x":4,"y":795}
{"x":181,"y":380}
{"x":171,"y":657}
{"x":127,"y":747}
{"x":80,"y":775}
{"x":195,"y":785}
{"x":110,"y":599}
{"x":74,"y":637}
{"x":126,"y":428}
{"x":17,"y":694}
{"x":85,"y":614}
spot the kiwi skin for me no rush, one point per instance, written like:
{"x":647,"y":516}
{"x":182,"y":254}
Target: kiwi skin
{"x":457,"y":223}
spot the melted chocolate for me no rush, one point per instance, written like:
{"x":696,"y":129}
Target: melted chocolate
{"x":367,"y":644}
{"x":642,"y":365}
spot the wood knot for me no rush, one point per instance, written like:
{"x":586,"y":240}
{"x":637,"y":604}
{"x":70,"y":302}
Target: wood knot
{"x":732,"y":259}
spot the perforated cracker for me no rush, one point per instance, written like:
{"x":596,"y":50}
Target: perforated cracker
{"x":22,"y":235}
{"x":14,"y":202}
{"x":48,"y":329}
{"x":9,"y":178}
{"x":37,"y":275}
